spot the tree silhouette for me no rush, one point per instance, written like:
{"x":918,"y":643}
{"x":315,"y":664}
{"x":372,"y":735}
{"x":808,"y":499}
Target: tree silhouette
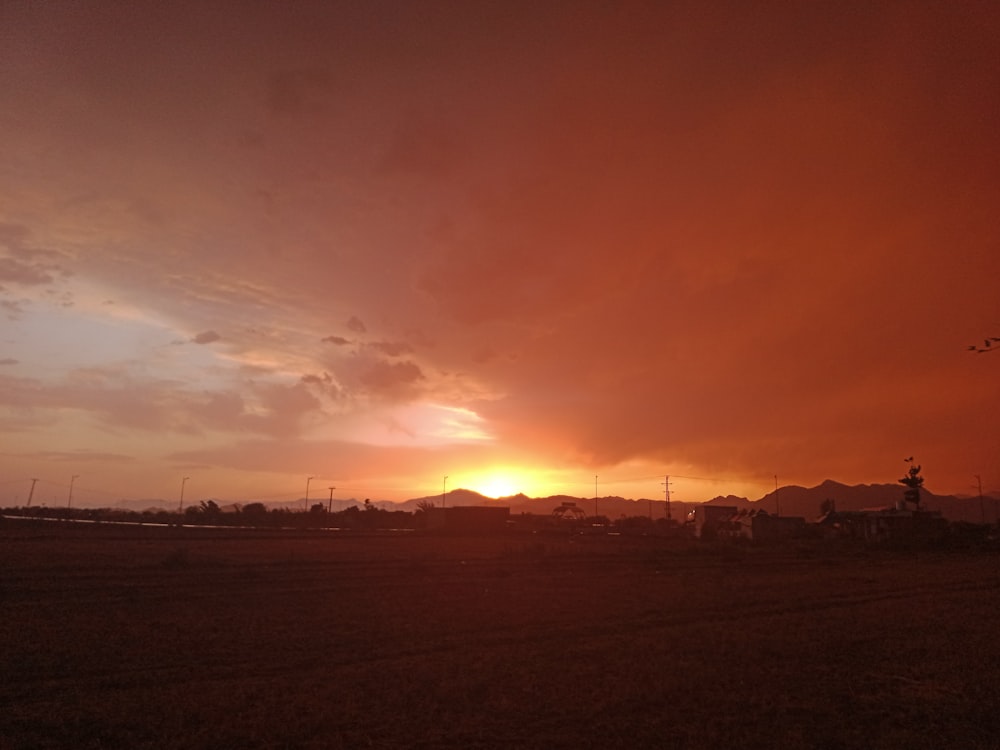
{"x":913,"y":482}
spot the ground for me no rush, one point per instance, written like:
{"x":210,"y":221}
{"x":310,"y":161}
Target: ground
{"x":196,"y":638}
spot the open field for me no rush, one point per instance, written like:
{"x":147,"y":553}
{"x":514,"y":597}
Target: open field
{"x":138,"y":637}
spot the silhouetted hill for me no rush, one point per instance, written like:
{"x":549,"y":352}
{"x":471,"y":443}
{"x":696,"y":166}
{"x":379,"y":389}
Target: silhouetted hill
{"x":801,"y":501}
{"x":793,"y":500}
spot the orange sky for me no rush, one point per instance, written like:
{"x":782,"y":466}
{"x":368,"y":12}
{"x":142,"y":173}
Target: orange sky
{"x":517,"y":244}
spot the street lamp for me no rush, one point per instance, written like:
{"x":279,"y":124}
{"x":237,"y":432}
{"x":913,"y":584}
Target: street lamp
{"x":444,"y":489}
{"x":69,"y":503}
{"x":308,"y":480}
{"x":180,"y":507}
{"x":329,"y":508}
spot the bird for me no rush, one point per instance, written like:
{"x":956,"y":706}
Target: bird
{"x":987,"y":343}
{"x":973,"y":348}
{"x":908,"y":459}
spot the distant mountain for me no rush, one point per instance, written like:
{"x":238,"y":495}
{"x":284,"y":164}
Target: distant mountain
{"x":791,"y":500}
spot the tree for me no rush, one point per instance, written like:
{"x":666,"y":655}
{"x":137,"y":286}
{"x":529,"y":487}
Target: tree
{"x":210,"y":508}
{"x":913,"y":482}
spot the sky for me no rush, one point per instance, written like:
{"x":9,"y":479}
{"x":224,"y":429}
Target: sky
{"x":256,"y":250}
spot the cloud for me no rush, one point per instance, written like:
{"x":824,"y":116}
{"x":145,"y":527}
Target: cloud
{"x":206,"y":337}
{"x":354,"y":324}
{"x":8,"y":361}
{"x":391,"y":348}
{"x":80,"y":455}
{"x":338,"y":340}
{"x":395,"y":378}
{"x":29,"y":274}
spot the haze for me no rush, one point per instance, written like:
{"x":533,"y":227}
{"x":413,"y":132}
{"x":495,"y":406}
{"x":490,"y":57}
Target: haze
{"x":519,"y":245}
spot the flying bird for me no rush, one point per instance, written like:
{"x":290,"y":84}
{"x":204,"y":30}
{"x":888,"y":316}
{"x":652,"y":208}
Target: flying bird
{"x":987,"y":345}
{"x":908,"y":459}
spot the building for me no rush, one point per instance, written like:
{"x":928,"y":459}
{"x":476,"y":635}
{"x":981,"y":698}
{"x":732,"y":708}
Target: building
{"x":885,"y":524}
{"x":468,"y":519}
{"x":757,"y":525}
{"x":704,"y":520}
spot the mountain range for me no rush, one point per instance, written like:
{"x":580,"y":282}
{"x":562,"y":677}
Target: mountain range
{"x":791,"y":500}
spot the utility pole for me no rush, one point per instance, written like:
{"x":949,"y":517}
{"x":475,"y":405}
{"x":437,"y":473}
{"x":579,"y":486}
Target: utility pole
{"x":444,"y":489}
{"x":308,"y":480}
{"x":69,"y":503}
{"x":32,"y":493}
{"x":180,"y":506}
{"x":595,"y":495}
{"x":329,"y":507}
{"x":982,"y":507}
{"x":777,"y":500}
{"x":666,"y":493}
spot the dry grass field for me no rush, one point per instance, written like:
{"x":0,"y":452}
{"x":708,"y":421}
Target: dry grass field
{"x":137,"y":637}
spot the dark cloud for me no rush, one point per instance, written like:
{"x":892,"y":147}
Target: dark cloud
{"x":8,"y":361}
{"x":338,"y":340}
{"x":206,"y":337}
{"x":354,"y":324}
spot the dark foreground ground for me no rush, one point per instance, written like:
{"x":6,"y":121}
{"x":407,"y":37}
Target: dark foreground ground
{"x":167,"y":638}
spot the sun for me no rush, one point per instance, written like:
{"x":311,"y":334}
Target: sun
{"x":500,"y":484}
{"x":496,"y":487}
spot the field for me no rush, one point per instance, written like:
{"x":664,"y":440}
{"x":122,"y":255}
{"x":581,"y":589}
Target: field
{"x":137,"y":637}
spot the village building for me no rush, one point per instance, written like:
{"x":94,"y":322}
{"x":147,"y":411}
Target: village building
{"x":468,"y":519}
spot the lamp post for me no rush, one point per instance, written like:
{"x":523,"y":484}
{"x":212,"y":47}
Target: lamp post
{"x":308,"y":480}
{"x":329,"y":507}
{"x":69,"y":502}
{"x":444,"y":489}
{"x":595,"y":496}
{"x":180,"y":506}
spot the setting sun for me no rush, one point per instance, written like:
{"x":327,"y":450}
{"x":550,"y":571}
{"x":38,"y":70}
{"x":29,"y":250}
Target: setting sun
{"x":495,"y":486}
{"x":501,"y":482}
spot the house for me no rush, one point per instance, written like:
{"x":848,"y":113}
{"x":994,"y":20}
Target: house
{"x":756,"y":524}
{"x":704,"y":520}
{"x":884,"y":524}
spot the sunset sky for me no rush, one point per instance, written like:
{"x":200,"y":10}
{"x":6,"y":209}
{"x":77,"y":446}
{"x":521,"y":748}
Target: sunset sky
{"x":518,"y":244}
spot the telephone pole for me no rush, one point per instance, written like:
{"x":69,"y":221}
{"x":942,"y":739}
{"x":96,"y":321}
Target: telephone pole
{"x":329,"y":507}
{"x":69,"y":503}
{"x":444,"y":489}
{"x":180,"y":505}
{"x":982,"y":507}
{"x":32,"y":493}
{"x":777,"y":500}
